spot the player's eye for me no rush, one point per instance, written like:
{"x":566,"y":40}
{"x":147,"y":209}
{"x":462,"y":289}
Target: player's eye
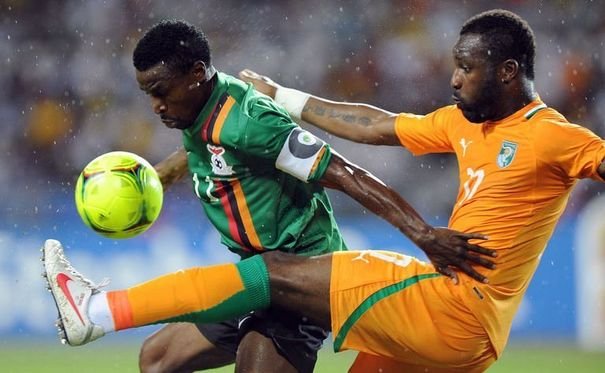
{"x":157,"y":93}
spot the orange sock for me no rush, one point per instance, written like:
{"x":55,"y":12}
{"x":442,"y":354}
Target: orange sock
{"x":201,"y":294}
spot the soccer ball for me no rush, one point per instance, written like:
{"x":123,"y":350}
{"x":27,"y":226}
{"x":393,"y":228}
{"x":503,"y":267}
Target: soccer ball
{"x":119,"y":195}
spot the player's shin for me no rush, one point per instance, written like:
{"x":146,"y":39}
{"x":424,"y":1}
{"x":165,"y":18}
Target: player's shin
{"x":201,"y":294}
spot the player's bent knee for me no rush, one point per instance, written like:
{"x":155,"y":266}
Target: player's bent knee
{"x":157,"y":356}
{"x":152,"y":356}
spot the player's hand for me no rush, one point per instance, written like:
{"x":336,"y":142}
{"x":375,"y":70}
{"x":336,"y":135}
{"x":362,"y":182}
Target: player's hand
{"x":262,"y":83}
{"x":451,"y":250}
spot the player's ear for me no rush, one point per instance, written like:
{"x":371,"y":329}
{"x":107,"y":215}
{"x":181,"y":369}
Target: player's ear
{"x":199,"y":70}
{"x":508,"y":70}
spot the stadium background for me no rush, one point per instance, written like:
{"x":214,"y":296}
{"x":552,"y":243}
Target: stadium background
{"x":68,"y":94}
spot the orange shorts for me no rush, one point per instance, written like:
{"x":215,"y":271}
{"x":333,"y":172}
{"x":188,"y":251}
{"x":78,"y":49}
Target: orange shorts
{"x":403,"y":316}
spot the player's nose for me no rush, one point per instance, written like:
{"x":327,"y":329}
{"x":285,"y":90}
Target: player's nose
{"x":455,"y":81}
{"x":158,"y":106}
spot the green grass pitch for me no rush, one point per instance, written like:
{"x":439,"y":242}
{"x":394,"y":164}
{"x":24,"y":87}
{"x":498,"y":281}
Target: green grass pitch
{"x":119,"y":357}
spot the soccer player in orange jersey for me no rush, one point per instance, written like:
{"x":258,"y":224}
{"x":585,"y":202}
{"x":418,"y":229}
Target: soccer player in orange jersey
{"x":518,"y":160}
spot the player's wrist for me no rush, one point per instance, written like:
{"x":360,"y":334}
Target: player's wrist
{"x":292,"y":100}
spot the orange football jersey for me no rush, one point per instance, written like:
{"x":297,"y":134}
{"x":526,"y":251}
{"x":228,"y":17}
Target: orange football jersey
{"x":515,"y":178}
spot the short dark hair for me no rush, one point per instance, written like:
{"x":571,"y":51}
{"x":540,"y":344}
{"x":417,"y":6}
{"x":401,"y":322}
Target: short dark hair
{"x":507,"y":36}
{"x":178,"y":44}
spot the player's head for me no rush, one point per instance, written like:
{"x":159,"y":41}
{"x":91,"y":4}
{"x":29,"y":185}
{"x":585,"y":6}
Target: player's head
{"x":495,"y":51}
{"x":172,"y":62}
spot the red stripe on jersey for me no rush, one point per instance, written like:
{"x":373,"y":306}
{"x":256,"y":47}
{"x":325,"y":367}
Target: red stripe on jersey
{"x":208,"y":127}
{"x":227,"y":198}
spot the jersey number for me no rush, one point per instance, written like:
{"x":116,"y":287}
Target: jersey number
{"x":196,"y":185}
{"x":475,"y":178}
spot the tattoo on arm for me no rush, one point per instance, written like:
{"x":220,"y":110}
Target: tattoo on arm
{"x":321,"y":111}
{"x":349,"y":118}
{"x":364,"y":121}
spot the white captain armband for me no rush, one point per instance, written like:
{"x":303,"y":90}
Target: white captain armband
{"x":299,"y":155}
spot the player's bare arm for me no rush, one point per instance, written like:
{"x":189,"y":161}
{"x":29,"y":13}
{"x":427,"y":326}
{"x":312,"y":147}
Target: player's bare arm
{"x":447,"y":249}
{"x":353,"y":121}
{"x":173,"y":168}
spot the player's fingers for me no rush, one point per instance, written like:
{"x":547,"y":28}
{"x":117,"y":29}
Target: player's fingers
{"x":481,"y":250}
{"x":447,"y":271}
{"x":473,"y":236}
{"x":251,"y":76}
{"x":481,"y":261}
{"x":247,"y":73}
{"x":466,"y":268}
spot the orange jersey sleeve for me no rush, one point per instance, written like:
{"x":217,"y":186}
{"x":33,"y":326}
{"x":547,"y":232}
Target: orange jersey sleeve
{"x":422,"y":134}
{"x":572,"y":150}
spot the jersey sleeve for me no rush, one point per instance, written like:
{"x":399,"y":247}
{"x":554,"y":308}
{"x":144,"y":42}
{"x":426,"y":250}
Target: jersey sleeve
{"x":574,"y":149}
{"x":270,"y":133}
{"x":422,"y":134}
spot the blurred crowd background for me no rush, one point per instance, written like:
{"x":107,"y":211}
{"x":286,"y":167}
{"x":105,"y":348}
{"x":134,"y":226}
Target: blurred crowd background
{"x":69,"y":94}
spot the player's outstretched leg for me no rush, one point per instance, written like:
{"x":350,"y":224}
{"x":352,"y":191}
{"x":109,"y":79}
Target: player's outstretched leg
{"x":199,"y":295}
{"x":71,"y":292}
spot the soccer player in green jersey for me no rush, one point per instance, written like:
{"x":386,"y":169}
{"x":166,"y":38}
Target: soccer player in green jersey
{"x":233,"y":141}
{"x":260,"y":180}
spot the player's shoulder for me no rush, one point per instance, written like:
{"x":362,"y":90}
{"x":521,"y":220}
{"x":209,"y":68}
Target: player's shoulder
{"x":554,"y":134}
{"x":449,"y":113}
{"x":253,"y":104}
{"x":547,"y":114}
{"x":234,"y":87}
{"x":549,"y":120}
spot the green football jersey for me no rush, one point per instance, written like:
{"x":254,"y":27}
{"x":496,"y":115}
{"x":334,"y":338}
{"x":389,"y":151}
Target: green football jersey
{"x":255,"y":171}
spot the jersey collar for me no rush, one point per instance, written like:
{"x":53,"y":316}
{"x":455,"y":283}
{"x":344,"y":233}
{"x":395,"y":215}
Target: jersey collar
{"x":523,"y":114}
{"x":531,"y":112}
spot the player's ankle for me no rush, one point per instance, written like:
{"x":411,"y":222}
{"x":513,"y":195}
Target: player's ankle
{"x":99,"y":312}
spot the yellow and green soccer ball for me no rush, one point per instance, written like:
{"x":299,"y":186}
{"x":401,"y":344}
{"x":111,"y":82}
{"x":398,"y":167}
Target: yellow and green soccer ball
{"x":119,"y":195}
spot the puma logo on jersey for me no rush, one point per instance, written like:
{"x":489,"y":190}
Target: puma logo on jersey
{"x":464,"y":145}
{"x":218,"y":162}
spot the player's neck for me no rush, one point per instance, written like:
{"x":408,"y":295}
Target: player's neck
{"x":519,"y":95}
{"x":206,"y":92}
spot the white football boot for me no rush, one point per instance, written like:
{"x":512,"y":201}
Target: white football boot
{"x":71,"y":293}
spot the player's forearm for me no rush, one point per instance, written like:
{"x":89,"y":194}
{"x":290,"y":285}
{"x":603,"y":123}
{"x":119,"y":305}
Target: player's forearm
{"x":380,"y":199}
{"x":352,"y":121}
{"x":173,"y":168}
{"x":357,"y":122}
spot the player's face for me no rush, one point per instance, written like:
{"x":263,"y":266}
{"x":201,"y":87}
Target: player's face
{"x":477,"y":91}
{"x":175,"y":96}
